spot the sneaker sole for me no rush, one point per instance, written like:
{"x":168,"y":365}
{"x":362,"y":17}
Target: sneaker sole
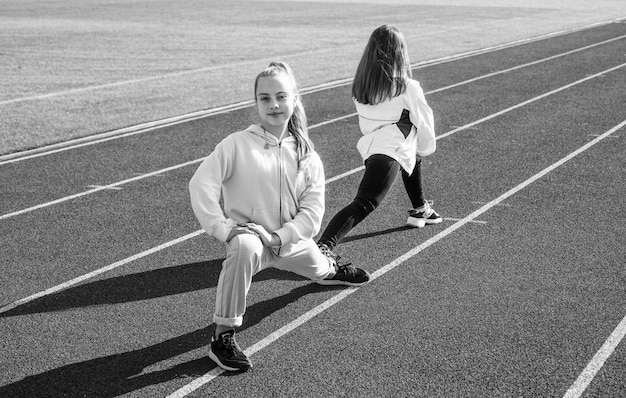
{"x":340,"y":283}
{"x":412,"y":222}
{"x":229,"y":368}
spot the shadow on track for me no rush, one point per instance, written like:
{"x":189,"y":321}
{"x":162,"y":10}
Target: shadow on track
{"x":123,"y":373}
{"x":119,"y":374}
{"x":376,"y":233}
{"x":139,"y":286}
{"x":114,"y":375}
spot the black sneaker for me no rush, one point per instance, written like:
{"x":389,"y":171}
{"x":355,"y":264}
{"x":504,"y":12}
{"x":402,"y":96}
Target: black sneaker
{"x":227,"y":354}
{"x":346,"y":274}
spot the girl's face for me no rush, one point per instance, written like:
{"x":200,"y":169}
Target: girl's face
{"x":276,"y":99}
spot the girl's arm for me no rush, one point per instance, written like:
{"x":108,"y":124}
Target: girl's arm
{"x":205,"y":189}
{"x":421,"y":116}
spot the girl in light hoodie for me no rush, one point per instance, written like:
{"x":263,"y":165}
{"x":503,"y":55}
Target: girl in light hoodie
{"x":272,"y":185}
{"x":398,"y":128}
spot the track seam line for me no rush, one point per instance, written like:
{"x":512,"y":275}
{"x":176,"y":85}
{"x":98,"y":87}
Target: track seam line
{"x":613,"y":340}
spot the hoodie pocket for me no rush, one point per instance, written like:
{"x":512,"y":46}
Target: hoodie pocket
{"x":269,"y":218}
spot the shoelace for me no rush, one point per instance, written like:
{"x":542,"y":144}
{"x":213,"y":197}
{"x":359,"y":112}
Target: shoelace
{"x":347,"y":269}
{"x":230,"y":343}
{"x":428,"y":211}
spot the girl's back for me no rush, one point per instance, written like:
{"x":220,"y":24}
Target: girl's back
{"x":393,"y":114}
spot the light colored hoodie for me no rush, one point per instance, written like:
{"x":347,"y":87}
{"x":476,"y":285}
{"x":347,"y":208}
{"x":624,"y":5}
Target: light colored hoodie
{"x":259,"y":180}
{"x":400,"y":127}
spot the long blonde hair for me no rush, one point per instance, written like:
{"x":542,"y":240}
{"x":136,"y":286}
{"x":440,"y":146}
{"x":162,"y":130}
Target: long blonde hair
{"x":297,"y":124}
{"x":384,"y":69}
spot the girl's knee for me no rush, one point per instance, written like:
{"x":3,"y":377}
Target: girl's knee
{"x":364,"y":206}
{"x":244,"y":257}
{"x":246,"y":245}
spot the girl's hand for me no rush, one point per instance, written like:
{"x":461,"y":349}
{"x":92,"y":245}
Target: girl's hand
{"x":268,"y":239}
{"x":240,"y":229}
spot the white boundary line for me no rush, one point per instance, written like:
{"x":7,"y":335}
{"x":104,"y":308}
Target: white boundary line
{"x":99,"y":271}
{"x":584,"y":379}
{"x":147,"y":127}
{"x":521,"y":104}
{"x":98,"y":189}
{"x":586,"y":376}
{"x":143,"y":176}
{"x":529,"y":64}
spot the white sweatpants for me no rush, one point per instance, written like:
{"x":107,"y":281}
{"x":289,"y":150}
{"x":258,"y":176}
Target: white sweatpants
{"x":246,"y":257}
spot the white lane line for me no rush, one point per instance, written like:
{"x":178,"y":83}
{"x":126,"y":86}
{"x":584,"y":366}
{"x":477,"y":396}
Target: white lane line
{"x":75,"y":281}
{"x":347,"y":173}
{"x":524,"y":103}
{"x":454,"y":131}
{"x":269,"y":339}
{"x":97,"y":189}
{"x":120,"y":133}
{"x":584,"y":379}
{"x":587,"y":376}
{"x":504,"y":204}
{"x":104,"y":187}
{"x":146,"y":127}
{"x":527,"y":64}
{"x":458,"y":219}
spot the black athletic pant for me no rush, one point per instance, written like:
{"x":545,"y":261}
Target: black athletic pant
{"x":380,"y":173}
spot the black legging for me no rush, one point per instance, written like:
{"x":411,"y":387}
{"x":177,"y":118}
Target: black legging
{"x":380,"y":173}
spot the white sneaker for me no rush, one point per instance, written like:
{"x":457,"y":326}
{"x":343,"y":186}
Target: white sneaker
{"x":421,"y":216}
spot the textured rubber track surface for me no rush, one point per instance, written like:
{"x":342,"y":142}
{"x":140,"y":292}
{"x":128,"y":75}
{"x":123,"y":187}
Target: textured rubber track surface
{"x":513,"y":302}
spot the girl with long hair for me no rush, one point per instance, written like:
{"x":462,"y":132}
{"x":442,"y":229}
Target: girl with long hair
{"x":272,"y":184}
{"x":398,"y":129}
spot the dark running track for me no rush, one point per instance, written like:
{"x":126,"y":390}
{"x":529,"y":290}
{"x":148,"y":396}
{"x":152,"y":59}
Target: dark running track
{"x":514,"y":301}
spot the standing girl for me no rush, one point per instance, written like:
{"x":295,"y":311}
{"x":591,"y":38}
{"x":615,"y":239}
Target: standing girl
{"x":272,"y":184}
{"x":398,"y":128}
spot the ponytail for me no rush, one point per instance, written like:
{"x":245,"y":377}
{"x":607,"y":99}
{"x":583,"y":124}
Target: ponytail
{"x":297,"y":124}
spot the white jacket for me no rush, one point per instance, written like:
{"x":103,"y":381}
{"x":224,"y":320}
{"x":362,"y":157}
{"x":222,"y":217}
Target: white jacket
{"x":261,"y":184}
{"x":399,"y":127}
